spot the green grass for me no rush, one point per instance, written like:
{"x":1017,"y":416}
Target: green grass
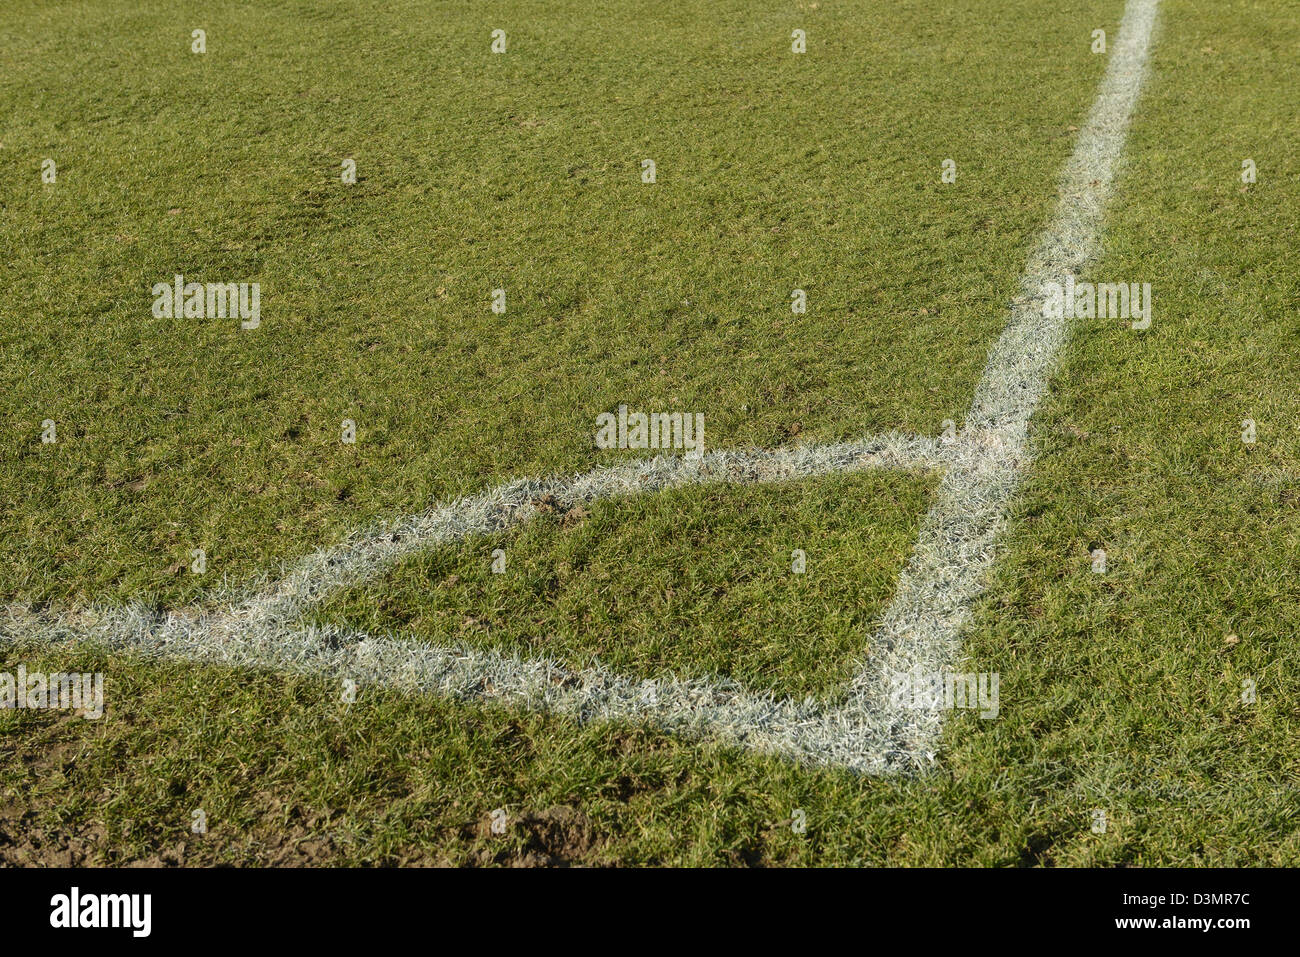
{"x":1128,"y":687}
{"x":697,"y":581}
{"x":1119,"y":692}
{"x":477,"y":171}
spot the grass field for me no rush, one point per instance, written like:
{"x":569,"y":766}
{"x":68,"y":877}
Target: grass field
{"x":476,"y":172}
{"x":1121,"y":692}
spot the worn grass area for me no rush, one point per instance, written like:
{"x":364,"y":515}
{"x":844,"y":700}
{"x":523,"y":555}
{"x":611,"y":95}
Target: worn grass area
{"x":1120,"y":692}
{"x":478,"y":171}
{"x":697,"y":581}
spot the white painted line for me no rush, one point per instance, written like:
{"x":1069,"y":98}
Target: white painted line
{"x":510,"y":505}
{"x":920,"y":629}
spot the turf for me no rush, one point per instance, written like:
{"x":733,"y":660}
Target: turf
{"x":478,"y":171}
{"x":1120,"y":692}
{"x":699,"y":581}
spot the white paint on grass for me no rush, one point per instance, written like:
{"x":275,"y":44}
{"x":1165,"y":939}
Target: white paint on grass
{"x":510,"y":505}
{"x":920,"y":629}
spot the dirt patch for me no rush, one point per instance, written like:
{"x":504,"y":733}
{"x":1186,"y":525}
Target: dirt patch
{"x":46,"y":754}
{"x":23,"y":843}
{"x":42,"y":756}
{"x":559,"y":836}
